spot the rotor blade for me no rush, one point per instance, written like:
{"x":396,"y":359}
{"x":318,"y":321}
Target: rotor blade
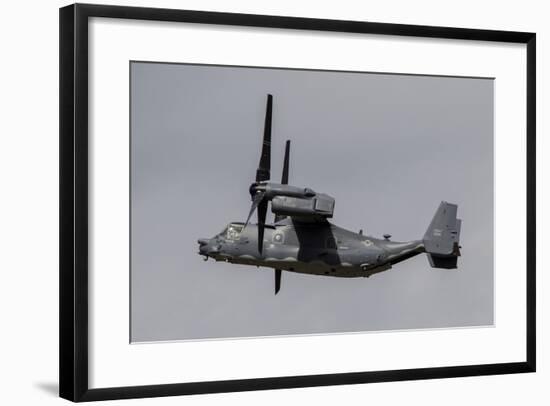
{"x":263,"y":172}
{"x":257,"y":199}
{"x":262,"y":211}
{"x":277,"y":280}
{"x":284,"y":178}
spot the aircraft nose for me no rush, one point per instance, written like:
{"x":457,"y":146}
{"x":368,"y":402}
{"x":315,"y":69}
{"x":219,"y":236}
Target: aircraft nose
{"x":203,"y":245}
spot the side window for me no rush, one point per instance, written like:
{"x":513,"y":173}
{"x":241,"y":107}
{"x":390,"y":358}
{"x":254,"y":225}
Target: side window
{"x":331,"y":243}
{"x":234,"y":231}
{"x":278,"y":238}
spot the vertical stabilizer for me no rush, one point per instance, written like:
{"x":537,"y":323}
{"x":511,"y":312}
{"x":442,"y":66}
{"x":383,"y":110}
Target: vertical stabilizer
{"x":442,"y":238}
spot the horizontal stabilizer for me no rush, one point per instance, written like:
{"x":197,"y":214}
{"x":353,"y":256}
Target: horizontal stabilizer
{"x":442,"y":262}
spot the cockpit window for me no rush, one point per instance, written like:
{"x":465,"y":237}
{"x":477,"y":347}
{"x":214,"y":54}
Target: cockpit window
{"x":233,"y":231}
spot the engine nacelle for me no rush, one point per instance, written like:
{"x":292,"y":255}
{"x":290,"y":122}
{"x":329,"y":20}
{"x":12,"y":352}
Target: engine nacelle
{"x":317,"y":205}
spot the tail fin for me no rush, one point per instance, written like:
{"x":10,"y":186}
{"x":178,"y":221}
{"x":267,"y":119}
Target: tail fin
{"x":442,"y":238}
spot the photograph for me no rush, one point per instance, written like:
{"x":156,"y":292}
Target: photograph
{"x":254,"y":199}
{"x":272,"y":201}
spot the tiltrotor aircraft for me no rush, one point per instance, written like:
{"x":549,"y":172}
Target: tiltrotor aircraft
{"x":301,"y":239}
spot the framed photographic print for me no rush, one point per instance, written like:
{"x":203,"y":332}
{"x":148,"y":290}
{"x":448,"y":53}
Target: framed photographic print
{"x":256,"y":202}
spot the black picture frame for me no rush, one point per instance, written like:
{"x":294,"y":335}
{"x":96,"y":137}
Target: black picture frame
{"x":73,"y":277}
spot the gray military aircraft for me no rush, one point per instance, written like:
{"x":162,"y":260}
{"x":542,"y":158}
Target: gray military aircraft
{"x":302,"y":240}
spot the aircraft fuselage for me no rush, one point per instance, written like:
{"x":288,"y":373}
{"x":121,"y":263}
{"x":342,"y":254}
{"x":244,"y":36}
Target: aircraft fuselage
{"x":318,"y":248}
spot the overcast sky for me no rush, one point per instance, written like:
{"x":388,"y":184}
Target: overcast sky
{"x":387,"y":147}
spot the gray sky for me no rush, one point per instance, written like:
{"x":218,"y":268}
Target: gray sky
{"x":388,"y":148}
